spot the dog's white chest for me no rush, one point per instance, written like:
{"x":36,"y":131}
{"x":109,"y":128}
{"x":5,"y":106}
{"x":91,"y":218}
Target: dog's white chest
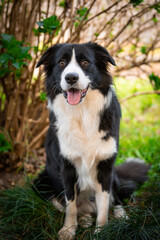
{"x":79,"y":136}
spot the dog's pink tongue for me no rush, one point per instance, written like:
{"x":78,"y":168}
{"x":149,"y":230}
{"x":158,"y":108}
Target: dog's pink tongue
{"x":73,"y":96}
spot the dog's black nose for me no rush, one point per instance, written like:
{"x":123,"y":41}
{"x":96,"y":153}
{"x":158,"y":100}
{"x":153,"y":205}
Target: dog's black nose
{"x":71,"y":78}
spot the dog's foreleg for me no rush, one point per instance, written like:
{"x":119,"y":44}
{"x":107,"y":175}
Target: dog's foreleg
{"x":102,"y":203}
{"x":68,"y":230}
{"x":104,"y":177}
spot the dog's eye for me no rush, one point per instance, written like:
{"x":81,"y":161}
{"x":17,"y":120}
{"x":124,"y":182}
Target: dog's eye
{"x":62,"y":63}
{"x":85,"y":62}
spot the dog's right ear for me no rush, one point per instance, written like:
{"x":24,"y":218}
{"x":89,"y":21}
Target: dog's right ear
{"x":48,"y":55}
{"x":44,"y":59}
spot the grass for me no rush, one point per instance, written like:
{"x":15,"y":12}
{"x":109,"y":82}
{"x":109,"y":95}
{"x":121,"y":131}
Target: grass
{"x":24,"y":215}
{"x":140,"y":125}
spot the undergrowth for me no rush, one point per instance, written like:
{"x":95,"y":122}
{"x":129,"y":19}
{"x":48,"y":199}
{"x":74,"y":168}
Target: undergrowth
{"x":25,"y":215}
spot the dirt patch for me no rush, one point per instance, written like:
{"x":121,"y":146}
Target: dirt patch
{"x":8,"y":179}
{"x":32,"y":164}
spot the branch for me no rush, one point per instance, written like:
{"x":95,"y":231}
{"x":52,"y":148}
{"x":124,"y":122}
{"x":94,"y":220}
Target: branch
{"x":139,"y":94}
{"x":82,"y":22}
{"x":130,"y":20}
{"x":111,"y":20}
{"x":104,"y":11}
{"x":38,"y":137}
{"x":138,"y":64}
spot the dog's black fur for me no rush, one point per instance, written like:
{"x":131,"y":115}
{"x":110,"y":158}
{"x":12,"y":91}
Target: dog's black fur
{"x":61,"y":173}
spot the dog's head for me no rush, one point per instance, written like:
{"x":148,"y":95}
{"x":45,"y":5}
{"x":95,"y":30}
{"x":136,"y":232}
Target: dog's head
{"x":73,"y":68}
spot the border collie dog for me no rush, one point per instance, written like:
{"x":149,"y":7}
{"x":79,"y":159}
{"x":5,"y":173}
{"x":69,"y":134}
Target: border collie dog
{"x":82,"y":140}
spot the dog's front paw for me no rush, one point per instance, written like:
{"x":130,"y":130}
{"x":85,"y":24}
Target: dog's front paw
{"x":85,"y":221}
{"x":120,"y":212}
{"x":98,"y":230}
{"x":67,"y":233}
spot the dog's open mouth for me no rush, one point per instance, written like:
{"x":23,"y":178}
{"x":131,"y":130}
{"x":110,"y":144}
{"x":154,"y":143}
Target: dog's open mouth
{"x":74,"y":96}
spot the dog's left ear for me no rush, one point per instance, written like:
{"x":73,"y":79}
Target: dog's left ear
{"x":102,"y":52}
{"x":48,"y":55}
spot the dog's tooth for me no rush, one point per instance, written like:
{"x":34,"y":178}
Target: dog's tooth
{"x":83,"y":94}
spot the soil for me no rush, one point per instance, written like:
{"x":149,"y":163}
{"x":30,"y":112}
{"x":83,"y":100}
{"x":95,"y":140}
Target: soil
{"x":30,"y":165}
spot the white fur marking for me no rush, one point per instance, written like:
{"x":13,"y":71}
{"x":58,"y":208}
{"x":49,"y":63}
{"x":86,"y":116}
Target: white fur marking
{"x":119,"y":212}
{"x":108,"y":98}
{"x":74,"y":67}
{"x":102,"y":203}
{"x":71,"y":214}
{"x":57,"y":205}
{"x":79,"y":136}
{"x":70,"y":224}
{"x":50,"y":104}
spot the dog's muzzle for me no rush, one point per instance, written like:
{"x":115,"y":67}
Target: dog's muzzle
{"x":74,"y":96}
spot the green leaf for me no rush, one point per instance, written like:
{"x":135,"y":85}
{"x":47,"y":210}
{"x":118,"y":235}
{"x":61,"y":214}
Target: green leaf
{"x":14,"y":53}
{"x":96,"y":34}
{"x":36,"y":32}
{"x":155,"y":19}
{"x":120,"y":50}
{"x":155,"y":80}
{"x":40,"y":23}
{"x":18,"y":72}
{"x":76,"y":24}
{"x":5,"y":146}
{"x":43,"y":96}
{"x":41,"y":30}
{"x":136,"y":2}
{"x":47,"y":25}
{"x":80,"y":14}
{"x":4,"y":58}
{"x":143,"y":49}
{"x":62,"y":4}
{"x":111,"y":34}
{"x":35,"y":49}
{"x":17,"y":65}
{"x":51,"y":22}
{"x":7,"y":37}
{"x":133,"y":47}
{"x":28,"y":56}
{"x":82,"y":11}
{"x":156,"y":7}
{"x":24,"y":50}
{"x":4,"y":71}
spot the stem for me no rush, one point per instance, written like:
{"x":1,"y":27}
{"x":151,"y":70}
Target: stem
{"x":139,"y":94}
{"x":38,"y":137}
